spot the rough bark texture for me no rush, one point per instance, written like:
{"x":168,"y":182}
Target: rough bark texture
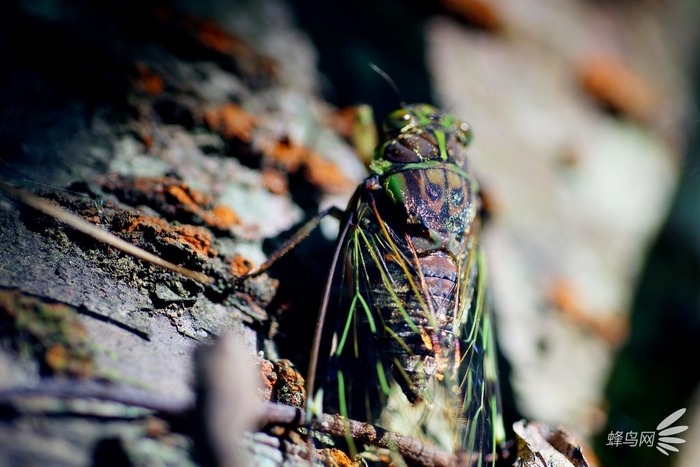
{"x":132,"y":117}
{"x":197,"y":131}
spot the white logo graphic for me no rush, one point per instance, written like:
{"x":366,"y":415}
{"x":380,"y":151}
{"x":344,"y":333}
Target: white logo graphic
{"x":666,"y":430}
{"x":662,"y":438}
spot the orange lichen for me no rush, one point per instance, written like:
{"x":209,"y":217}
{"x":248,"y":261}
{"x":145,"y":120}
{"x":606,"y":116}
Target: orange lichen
{"x":325,"y":174}
{"x":334,"y":456}
{"x":293,"y":158}
{"x":222,"y":217}
{"x":289,"y":388}
{"x":155,"y":427}
{"x":231,"y":122}
{"x":240,"y":265}
{"x":57,"y":358}
{"x":147,"y":80}
{"x":212,"y":36}
{"x":195,"y":202}
{"x":275,"y":181}
{"x":615,"y":86}
{"x":269,"y":378}
{"x":174,"y":199}
{"x":477,"y":12}
{"x":138,"y":220}
{"x":183,"y":194}
{"x":565,"y":297}
{"x":198,"y":238}
{"x":146,"y":139}
{"x":285,"y":154}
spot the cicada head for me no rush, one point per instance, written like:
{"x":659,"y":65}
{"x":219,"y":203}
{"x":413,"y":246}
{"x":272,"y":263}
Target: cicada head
{"x":420,"y":133}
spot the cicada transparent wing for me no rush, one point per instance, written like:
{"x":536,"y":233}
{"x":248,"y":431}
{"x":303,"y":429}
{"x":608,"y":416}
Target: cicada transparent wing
{"x":408,"y":334}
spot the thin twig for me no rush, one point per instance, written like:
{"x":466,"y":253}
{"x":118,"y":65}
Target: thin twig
{"x":292,"y":242}
{"x":97,"y":233}
{"x":119,"y":393}
{"x":412,"y":450}
{"x":270,"y":413}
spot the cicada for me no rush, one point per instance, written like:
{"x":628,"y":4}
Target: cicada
{"x":404,"y":338}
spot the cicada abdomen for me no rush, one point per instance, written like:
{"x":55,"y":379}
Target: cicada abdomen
{"x":411,"y":311}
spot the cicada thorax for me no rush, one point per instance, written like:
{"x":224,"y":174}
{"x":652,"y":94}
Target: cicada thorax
{"x":427,"y":225}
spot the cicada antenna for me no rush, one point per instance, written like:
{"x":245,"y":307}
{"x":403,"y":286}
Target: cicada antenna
{"x":391,"y":82}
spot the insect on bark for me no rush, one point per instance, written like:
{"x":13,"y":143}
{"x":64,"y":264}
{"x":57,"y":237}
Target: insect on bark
{"x":404,"y":337}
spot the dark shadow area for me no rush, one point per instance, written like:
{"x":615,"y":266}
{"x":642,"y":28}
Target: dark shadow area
{"x":302,"y":274}
{"x":351,"y":35}
{"x":109,"y":452}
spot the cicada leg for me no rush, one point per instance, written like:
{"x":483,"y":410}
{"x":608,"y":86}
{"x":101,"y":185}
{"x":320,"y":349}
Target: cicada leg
{"x":293,"y":241}
{"x":314,"y":401}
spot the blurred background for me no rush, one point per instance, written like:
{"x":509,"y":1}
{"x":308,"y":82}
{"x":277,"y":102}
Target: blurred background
{"x":584,"y":114}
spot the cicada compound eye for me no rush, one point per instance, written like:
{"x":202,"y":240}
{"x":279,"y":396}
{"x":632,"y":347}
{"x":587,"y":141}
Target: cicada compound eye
{"x":464,"y":132}
{"x":428,"y":111}
{"x":398,"y":121}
